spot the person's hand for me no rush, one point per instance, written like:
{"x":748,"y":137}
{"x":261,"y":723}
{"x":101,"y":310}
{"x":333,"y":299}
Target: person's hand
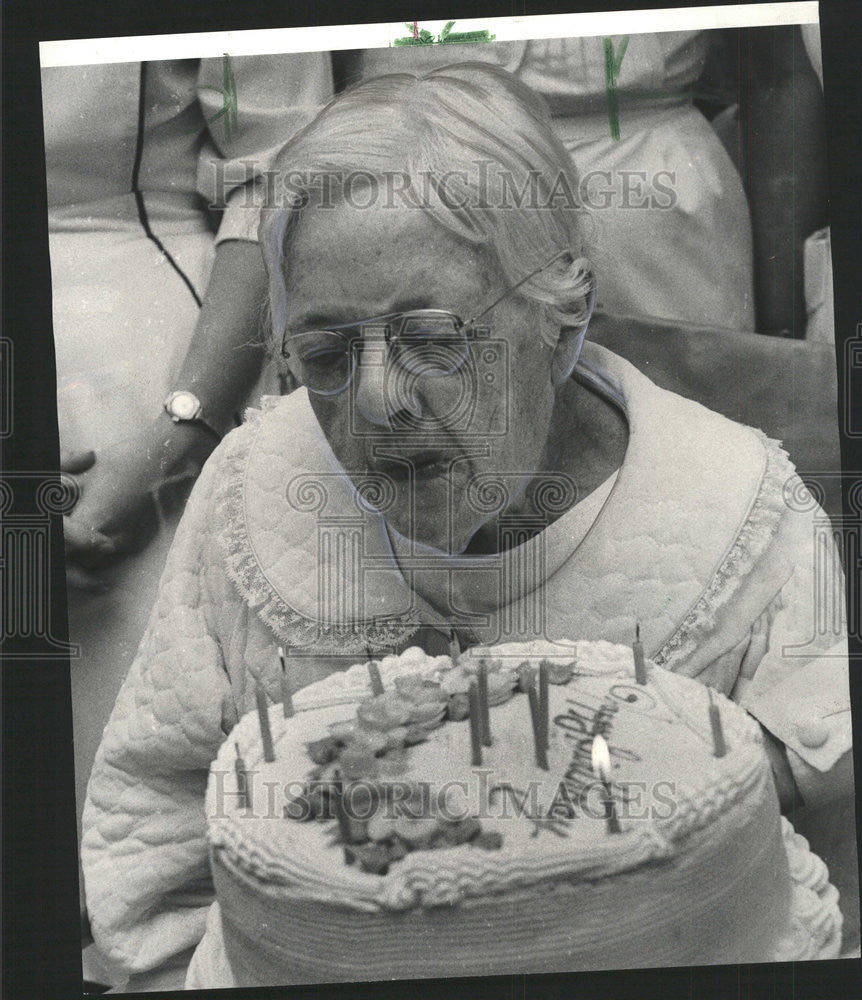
{"x":789,"y":796}
{"x":115,"y":513}
{"x":78,"y":539}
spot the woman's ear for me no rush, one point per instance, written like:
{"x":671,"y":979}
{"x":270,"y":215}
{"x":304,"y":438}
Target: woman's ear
{"x":566,"y":353}
{"x":568,"y":347}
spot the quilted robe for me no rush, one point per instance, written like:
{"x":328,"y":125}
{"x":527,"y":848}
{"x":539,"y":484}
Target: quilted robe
{"x":708,"y":537}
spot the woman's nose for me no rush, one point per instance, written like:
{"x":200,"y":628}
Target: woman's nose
{"x":379,"y":394}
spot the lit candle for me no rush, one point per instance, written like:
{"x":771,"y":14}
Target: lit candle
{"x":286,"y":694}
{"x":475,"y":724}
{"x":484,"y":712}
{"x":638,"y":650}
{"x":719,"y":746}
{"x":242,"y":783}
{"x":544,"y":709}
{"x":601,"y":761}
{"x":538,"y":733}
{"x":376,"y":679}
{"x":263,"y":716}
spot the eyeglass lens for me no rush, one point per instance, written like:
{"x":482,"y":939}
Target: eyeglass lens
{"x":429,"y":345}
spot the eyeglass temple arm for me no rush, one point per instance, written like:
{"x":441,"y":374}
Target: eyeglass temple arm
{"x":514,"y":288}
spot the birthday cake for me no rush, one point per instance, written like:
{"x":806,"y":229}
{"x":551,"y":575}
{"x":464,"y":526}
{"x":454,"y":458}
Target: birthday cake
{"x":528,"y":808}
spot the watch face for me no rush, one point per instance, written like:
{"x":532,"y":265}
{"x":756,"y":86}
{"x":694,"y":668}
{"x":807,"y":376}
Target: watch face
{"x":184,"y":406}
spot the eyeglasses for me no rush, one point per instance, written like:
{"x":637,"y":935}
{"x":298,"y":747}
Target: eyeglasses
{"x":430,"y":343}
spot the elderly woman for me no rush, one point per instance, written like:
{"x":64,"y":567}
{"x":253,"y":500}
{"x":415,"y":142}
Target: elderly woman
{"x":457,"y":458}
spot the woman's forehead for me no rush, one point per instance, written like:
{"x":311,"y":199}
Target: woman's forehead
{"x":385,"y":256}
{"x":377,"y":229}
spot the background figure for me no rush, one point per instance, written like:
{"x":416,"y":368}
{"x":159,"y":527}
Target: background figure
{"x":772,"y":124}
{"x":818,"y":246}
{"x":670,"y":232}
{"x":138,"y":157}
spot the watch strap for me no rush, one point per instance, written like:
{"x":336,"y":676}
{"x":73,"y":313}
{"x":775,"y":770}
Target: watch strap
{"x":214,"y":434}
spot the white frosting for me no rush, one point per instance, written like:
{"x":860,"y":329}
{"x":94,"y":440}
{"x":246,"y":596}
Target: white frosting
{"x":668,"y":728}
{"x":816,"y":921}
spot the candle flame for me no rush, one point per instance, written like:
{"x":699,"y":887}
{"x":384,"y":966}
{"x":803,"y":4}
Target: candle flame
{"x":601,"y":758}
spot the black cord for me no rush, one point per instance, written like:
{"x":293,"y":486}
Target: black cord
{"x":139,"y":197}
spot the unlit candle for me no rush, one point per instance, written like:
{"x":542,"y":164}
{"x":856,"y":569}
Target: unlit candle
{"x":376,"y":679}
{"x":286,"y":693}
{"x":718,"y":744}
{"x":484,"y":710}
{"x":475,"y":724}
{"x":640,"y":662}
{"x":242,"y":782}
{"x":263,"y":716}
{"x":538,"y":734}
{"x":544,"y":706}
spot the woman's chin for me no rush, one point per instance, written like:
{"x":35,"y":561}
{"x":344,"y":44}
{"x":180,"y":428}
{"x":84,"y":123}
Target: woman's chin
{"x":427,"y":533}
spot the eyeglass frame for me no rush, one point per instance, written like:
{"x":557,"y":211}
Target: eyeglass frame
{"x":460,"y":326}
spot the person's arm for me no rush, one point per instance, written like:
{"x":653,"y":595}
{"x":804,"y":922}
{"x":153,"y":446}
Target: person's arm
{"x":789,"y":795}
{"x":795,"y":676}
{"x":225,"y":355}
{"x":223,"y":361}
{"x":806,"y":719}
{"x":782,"y":132}
{"x":274,"y":96}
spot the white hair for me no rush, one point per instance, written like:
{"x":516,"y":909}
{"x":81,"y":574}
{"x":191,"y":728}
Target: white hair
{"x":467,"y":140}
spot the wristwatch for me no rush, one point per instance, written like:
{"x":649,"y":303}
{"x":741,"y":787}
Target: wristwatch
{"x":184,"y":407}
